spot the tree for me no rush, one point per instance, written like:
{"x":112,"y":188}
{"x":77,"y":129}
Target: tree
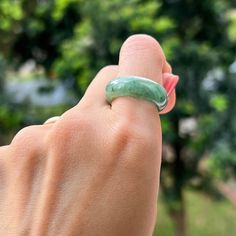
{"x":195,"y":38}
{"x":75,"y":38}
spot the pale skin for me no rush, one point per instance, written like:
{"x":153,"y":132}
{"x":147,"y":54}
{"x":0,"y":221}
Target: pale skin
{"x":96,"y":169}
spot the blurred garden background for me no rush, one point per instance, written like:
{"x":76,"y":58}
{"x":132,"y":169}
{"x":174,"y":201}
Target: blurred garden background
{"x":51,"y":49}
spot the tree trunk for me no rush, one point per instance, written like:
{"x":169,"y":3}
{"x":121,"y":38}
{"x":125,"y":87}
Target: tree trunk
{"x":178,"y":213}
{"x":179,"y":219}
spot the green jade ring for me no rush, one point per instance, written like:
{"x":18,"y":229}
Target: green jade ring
{"x":137,"y":87}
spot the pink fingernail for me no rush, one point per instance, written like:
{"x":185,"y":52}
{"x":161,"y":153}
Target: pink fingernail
{"x":170,"y":83}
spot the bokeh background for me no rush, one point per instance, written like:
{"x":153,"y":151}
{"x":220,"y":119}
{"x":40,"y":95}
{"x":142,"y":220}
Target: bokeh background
{"x":51,"y":49}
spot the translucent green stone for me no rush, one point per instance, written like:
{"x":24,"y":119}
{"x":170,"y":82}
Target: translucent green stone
{"x":137,"y":87}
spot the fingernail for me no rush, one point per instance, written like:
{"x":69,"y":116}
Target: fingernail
{"x":170,"y":83}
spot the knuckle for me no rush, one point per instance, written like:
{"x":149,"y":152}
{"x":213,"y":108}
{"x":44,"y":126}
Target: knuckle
{"x":68,"y":130}
{"x":26,"y":138}
{"x":27,"y":145}
{"x":68,"y":136}
{"x":135,"y":144}
{"x":123,"y":130}
{"x":26,"y":132}
{"x":128,"y":133}
{"x":139,"y":155}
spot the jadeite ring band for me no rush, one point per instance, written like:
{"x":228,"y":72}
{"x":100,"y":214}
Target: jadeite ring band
{"x":137,"y":87}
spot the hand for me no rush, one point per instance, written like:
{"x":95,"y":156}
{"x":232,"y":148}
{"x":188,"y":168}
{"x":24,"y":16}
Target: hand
{"x":95,"y":171}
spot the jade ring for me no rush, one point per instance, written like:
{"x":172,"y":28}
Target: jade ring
{"x":137,"y":87}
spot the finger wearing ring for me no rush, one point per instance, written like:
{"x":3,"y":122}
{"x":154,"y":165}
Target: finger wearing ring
{"x":137,"y":87}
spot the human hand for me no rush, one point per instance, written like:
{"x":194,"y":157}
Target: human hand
{"x":95,"y":171}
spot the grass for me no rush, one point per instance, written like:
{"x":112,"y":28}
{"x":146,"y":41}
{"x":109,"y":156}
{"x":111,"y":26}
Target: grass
{"x":205,"y":217}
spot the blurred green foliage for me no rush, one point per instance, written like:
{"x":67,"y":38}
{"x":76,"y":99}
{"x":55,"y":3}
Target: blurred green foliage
{"x":203,"y":217}
{"x":73,"y":39}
